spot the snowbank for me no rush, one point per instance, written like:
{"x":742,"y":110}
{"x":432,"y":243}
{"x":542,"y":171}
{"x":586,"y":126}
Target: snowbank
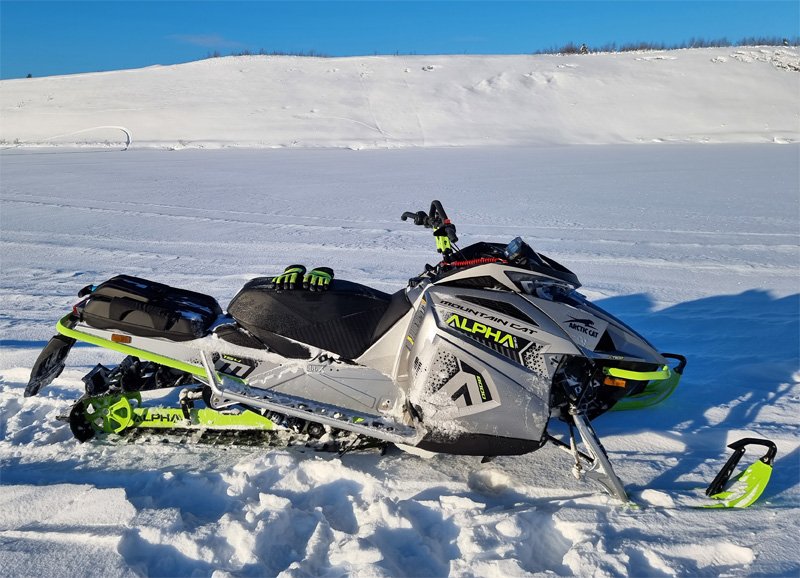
{"x":695,"y":246}
{"x":718,"y":95}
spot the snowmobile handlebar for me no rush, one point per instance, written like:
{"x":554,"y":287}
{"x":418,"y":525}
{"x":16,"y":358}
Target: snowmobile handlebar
{"x":433,"y":219}
{"x":437,"y":220}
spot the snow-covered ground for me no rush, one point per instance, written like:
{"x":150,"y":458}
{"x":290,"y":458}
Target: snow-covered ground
{"x":696,"y":246}
{"x":719,"y":95}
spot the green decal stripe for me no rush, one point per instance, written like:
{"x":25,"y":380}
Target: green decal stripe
{"x":637,"y":375}
{"x":169,"y":418}
{"x":62,"y":328}
{"x":246,"y":419}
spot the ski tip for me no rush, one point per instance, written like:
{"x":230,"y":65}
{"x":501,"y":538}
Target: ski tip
{"x":33,"y":387}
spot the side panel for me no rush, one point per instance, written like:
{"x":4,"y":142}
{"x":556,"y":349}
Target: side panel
{"x":384,"y":354}
{"x":476,"y":370}
{"x":324,"y":380}
{"x":354,"y":387}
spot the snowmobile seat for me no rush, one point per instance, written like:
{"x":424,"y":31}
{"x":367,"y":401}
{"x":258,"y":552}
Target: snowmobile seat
{"x":345,"y":320}
{"x":149,"y":309}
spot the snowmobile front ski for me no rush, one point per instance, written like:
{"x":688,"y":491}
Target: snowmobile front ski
{"x":749,"y":484}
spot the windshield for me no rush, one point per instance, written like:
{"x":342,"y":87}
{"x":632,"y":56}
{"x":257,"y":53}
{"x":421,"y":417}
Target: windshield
{"x":518,"y":251}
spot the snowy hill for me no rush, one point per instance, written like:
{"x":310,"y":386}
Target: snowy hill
{"x":700,"y":95}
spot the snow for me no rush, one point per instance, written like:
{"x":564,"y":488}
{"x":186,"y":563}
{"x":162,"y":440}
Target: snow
{"x":694,"y":245}
{"x":700,"y":95}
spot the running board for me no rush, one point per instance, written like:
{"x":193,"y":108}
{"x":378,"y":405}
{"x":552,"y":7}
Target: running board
{"x":330,"y":415}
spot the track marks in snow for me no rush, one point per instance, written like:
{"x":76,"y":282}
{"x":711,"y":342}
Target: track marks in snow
{"x":206,"y":216}
{"x":476,"y":225}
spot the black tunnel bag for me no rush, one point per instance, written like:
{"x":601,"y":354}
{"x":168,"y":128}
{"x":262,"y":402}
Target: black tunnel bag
{"x":149,"y":309}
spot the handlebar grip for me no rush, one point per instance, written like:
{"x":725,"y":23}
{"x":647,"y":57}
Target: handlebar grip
{"x":420,"y":218}
{"x":450,"y":230}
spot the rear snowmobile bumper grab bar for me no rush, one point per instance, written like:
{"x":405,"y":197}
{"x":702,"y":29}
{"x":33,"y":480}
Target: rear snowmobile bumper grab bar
{"x":64,"y":328}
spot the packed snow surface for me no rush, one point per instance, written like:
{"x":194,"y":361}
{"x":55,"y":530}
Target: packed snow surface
{"x":719,"y":95}
{"x":696,"y":246}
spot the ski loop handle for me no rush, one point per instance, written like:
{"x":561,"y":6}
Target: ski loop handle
{"x":767,"y":458}
{"x":679,"y":358}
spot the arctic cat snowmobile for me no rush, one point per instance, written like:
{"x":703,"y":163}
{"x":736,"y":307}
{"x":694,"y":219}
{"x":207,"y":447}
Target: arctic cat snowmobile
{"x":474,"y":357}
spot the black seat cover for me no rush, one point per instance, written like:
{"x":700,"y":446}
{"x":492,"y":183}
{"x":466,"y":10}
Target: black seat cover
{"x":346,"y":319}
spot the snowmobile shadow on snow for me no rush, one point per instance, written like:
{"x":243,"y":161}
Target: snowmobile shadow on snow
{"x":744,"y":359}
{"x":180,"y":494}
{"x":22,"y":344}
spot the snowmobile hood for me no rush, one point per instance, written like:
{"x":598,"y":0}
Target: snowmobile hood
{"x":596,"y":332}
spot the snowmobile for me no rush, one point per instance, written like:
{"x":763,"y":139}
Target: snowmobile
{"x":475,"y":356}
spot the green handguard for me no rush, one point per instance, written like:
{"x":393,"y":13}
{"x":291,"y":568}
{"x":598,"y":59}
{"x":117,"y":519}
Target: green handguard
{"x":443,"y":244}
{"x":291,"y":277}
{"x":318,"y":279}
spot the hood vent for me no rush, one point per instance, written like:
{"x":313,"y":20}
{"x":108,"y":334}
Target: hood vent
{"x":501,"y":307}
{"x":606,"y":344}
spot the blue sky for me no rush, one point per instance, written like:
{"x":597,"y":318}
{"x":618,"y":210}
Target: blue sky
{"x":46,"y":38}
